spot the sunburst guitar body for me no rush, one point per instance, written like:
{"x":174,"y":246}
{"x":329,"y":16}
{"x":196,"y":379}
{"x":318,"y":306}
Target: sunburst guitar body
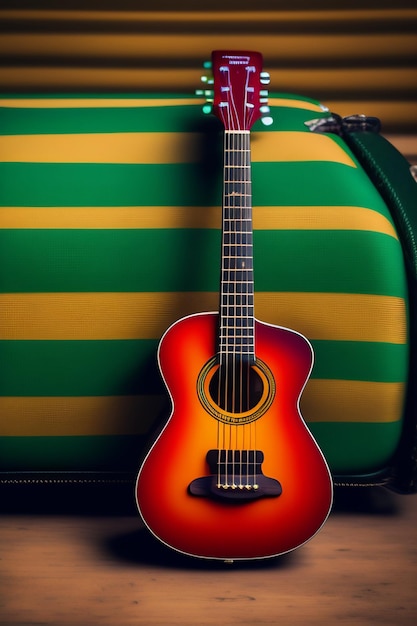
{"x":235,"y":473}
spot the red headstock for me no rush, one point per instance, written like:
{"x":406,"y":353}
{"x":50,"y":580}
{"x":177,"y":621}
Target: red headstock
{"x":239,"y":96}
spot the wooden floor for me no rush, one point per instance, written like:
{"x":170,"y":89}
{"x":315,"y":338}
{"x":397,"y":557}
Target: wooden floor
{"x":63,"y":561}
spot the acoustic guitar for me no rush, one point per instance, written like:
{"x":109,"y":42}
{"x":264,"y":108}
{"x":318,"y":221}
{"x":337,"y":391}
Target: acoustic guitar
{"x":234,"y":473}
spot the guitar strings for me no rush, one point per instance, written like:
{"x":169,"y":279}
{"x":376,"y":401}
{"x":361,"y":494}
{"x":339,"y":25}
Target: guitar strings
{"x":234,"y":380}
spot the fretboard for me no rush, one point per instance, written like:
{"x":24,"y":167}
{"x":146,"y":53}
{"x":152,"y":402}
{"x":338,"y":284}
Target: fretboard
{"x":236,"y":333}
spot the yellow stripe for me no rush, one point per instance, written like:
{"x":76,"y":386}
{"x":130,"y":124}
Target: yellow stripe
{"x":100,"y":148}
{"x":98,"y":103}
{"x":95,"y":103}
{"x":287,"y":146}
{"x":297,"y":104}
{"x":264,"y":218}
{"x":95,"y":415}
{"x":322,"y":401}
{"x":127,"y":46}
{"x":352,"y":401}
{"x":162,"y":148}
{"x":251,"y":16}
{"x":336,"y":316}
{"x":102,"y":316}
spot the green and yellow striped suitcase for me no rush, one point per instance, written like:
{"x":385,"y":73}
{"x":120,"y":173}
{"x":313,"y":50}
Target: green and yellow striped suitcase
{"x":110,"y":231}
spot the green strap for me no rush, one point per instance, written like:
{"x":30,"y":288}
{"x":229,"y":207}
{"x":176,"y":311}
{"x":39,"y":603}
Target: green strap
{"x":391,"y":175}
{"x":390,"y":172}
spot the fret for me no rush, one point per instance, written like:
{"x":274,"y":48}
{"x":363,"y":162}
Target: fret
{"x":237,"y":299}
{"x":235,"y":287}
{"x":247,"y":231}
{"x":236,"y":321}
{"x":243,"y":346}
{"x":243,"y":247}
{"x":237,"y":250}
{"x":234,"y":278}
{"x":231,"y":228}
{"x":244,"y":235}
{"x":238,"y":265}
{"x":235,"y":318}
{"x":240,"y":285}
{"x":241,"y":342}
{"x":243,"y":330}
{"x":237,"y":349}
{"x":231,"y":339}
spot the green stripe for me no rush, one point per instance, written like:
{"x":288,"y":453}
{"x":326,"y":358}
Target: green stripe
{"x":116,"y":367}
{"x":79,"y":368}
{"x":329,"y":261}
{"x":188,"y":260}
{"x":27,"y":121}
{"x":52,"y":121}
{"x":351,"y":360}
{"x":73,"y":184}
{"x":119,"y":96}
{"x":348,"y":448}
{"x":357,"y":448}
{"x":318,"y":183}
{"x":289,"y":119}
{"x":128,"y":260}
{"x":274,"y":184}
{"x":83,"y":453}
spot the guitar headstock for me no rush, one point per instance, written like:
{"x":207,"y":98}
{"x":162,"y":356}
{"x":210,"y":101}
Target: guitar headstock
{"x":238,"y":97}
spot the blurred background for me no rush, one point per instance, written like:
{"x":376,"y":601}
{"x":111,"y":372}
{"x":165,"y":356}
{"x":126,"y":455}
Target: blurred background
{"x":355,"y":56}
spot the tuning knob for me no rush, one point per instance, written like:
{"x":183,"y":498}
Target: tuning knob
{"x":207,"y":108}
{"x":265,"y":78}
{"x":266,"y":118}
{"x":263,"y":96}
{"x":207,"y":65}
{"x":207,"y":93}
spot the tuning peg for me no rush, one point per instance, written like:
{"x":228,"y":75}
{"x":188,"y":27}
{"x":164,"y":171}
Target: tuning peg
{"x":263,"y":96}
{"x":207,"y":93}
{"x":265,"y":78}
{"x":207,"y":65}
{"x":207,"y":108}
{"x":266,"y":118}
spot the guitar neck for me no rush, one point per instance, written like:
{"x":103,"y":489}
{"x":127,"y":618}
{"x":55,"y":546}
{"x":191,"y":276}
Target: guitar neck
{"x":236,"y":333}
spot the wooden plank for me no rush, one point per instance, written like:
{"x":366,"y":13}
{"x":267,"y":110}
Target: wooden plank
{"x":86,"y":570}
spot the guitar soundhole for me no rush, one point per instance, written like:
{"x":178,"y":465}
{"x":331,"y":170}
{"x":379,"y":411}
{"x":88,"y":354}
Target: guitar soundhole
{"x":236,"y":389}
{"x":236,"y":394}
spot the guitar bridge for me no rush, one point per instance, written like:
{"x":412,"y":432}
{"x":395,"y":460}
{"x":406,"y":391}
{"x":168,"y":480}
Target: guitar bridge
{"x":235,"y":475}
